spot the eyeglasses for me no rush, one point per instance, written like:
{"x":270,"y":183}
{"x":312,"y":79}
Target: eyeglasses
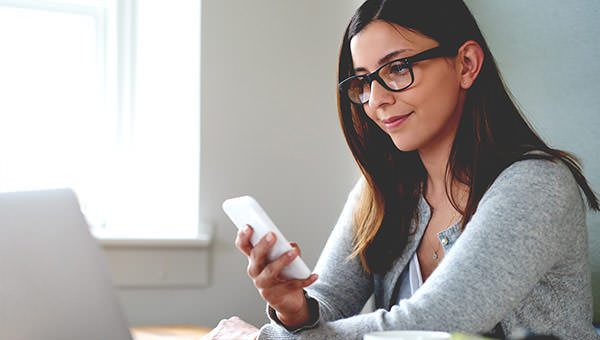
{"x":397,"y":75}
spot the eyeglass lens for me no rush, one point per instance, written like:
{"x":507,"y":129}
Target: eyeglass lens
{"x":395,"y":75}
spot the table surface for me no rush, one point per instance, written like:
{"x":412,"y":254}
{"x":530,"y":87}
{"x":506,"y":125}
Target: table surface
{"x":177,"y":332}
{"x":168,"y":332}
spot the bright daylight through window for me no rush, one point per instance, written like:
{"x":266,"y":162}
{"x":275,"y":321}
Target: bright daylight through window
{"x":103,"y":96}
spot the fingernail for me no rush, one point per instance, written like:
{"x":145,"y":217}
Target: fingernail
{"x":269,"y":237}
{"x":291,"y":253}
{"x":312,"y":278}
{"x":246,"y":229}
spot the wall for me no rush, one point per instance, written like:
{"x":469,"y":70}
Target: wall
{"x":548,"y":53}
{"x":268,"y":128}
{"x":269,"y":125}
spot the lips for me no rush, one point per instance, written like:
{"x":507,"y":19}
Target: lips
{"x":395,"y":121}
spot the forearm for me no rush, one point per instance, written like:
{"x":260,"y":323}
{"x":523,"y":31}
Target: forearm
{"x":296,"y":319}
{"x":305,"y":319}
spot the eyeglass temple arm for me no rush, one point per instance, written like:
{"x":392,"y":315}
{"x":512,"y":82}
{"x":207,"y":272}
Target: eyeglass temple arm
{"x":440,"y":51}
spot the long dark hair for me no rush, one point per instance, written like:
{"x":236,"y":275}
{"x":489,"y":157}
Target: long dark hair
{"x":492,"y":134}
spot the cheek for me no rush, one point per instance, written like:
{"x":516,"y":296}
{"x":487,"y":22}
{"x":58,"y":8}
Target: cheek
{"x":370,"y":113}
{"x":438,"y":96}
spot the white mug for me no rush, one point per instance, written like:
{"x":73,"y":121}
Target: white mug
{"x":407,"y":335}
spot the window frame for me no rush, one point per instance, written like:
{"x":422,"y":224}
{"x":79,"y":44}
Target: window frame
{"x":116,"y":55}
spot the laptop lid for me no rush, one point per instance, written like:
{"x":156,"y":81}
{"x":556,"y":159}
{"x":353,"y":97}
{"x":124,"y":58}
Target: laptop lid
{"x":55,"y":282}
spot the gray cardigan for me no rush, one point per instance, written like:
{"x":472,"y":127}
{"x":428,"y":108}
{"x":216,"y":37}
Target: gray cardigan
{"x":522,"y":262}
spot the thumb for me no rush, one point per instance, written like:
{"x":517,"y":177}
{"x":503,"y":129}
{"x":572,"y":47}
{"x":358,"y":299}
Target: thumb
{"x":295,"y":245}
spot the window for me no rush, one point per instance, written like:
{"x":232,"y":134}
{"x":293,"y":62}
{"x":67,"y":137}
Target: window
{"x":103,"y":96}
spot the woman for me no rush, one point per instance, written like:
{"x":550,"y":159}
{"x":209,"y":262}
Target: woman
{"x":465,"y":219}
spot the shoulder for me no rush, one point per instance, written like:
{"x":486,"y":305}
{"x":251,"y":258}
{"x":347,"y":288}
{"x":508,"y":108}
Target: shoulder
{"x":535,"y":183}
{"x":346,"y":220}
{"x":353,"y":198}
{"x":533,"y":205}
{"x":358,"y":188}
{"x":536,"y":173}
{"x":542,"y":169}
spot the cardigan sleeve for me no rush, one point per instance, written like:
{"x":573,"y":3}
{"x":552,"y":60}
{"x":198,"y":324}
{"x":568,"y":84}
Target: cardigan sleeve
{"x":516,"y":235}
{"x":343,"y":286}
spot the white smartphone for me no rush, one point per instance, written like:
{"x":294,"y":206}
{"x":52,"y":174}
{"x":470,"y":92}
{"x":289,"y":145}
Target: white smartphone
{"x":246,"y":210}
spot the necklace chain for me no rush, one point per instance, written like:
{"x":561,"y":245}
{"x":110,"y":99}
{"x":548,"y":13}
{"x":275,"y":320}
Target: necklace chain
{"x":453,"y":215}
{"x":437,"y":241}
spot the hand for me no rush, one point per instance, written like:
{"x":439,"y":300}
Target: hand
{"x":233,"y":328}
{"x":286,"y":296}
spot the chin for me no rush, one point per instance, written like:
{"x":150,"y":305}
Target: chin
{"x":404,"y":145}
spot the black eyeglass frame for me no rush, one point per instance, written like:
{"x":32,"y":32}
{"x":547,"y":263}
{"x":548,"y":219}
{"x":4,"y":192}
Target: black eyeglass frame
{"x":436,"y":52}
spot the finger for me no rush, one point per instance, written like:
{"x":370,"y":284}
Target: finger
{"x":242,"y":239}
{"x":310,"y":280}
{"x":303,"y":283}
{"x":213,"y":334}
{"x":258,"y":254}
{"x":295,"y":245}
{"x":270,"y":274}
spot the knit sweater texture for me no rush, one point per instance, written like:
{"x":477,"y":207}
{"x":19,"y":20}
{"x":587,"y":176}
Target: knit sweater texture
{"x":521,"y":262}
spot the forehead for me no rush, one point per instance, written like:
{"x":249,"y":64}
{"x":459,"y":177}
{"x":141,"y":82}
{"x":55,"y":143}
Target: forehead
{"x":379,"y":39}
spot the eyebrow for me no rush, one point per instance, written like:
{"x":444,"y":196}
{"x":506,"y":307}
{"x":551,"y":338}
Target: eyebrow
{"x":385,"y":59}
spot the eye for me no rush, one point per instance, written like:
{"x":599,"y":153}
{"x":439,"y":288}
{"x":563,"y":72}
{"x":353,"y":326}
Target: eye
{"x":398,"y":68}
{"x":396,"y":75}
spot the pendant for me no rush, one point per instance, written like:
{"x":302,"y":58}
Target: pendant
{"x":435,"y":256}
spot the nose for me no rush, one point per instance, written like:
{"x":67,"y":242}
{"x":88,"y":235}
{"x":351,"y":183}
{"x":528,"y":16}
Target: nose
{"x":379,"y":95}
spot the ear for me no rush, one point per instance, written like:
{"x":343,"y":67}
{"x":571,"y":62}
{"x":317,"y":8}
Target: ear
{"x":469,"y":61}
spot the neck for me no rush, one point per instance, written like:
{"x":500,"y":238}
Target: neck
{"x":435,"y":156}
{"x":435,"y":160}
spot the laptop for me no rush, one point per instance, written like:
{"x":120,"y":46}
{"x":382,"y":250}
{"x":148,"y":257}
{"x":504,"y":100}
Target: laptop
{"x":54,"y":282}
